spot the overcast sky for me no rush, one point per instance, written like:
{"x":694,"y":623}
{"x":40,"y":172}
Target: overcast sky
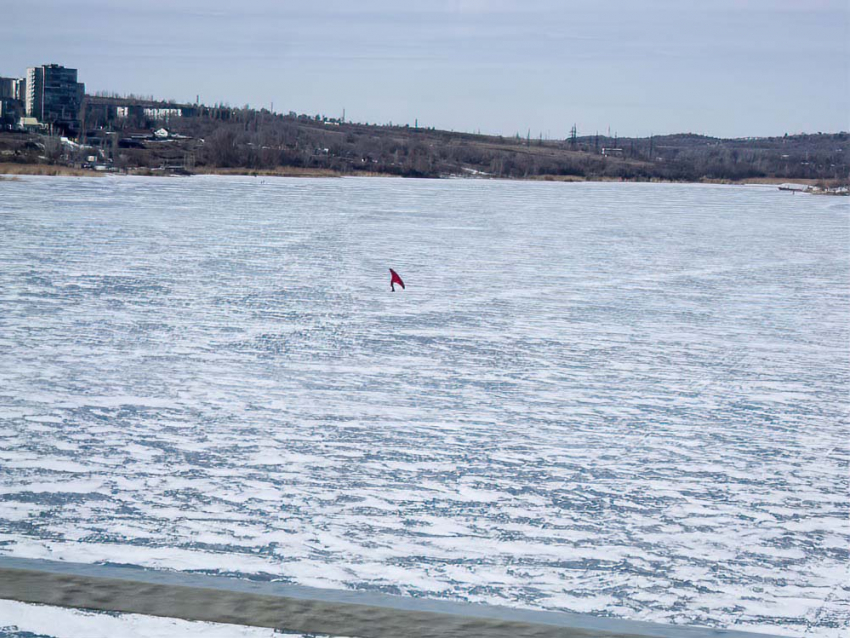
{"x":721,"y":67}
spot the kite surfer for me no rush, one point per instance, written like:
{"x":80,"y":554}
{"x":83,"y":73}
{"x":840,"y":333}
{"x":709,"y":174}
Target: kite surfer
{"x":395,"y":279}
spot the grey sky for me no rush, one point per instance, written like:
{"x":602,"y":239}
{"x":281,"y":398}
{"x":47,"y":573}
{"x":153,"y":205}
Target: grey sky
{"x":721,"y":67}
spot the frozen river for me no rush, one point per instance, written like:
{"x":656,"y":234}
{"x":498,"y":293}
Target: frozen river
{"x":616,"y":399}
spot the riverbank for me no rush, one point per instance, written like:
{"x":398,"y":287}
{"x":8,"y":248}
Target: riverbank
{"x":767,"y":181}
{"x":281,"y":171}
{"x":10,"y":170}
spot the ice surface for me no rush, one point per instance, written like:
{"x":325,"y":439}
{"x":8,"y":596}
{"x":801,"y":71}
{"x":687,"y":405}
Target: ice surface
{"x":618,"y":399}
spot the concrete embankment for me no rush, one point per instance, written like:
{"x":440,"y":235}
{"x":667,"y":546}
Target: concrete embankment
{"x":303,"y":609}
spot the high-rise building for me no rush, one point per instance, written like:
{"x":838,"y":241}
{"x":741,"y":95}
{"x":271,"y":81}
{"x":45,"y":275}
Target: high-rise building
{"x":19,"y":88}
{"x":13,"y":88}
{"x":35,"y":91}
{"x":53,"y":95}
{"x":11,"y":104}
{"x":7,"y":88}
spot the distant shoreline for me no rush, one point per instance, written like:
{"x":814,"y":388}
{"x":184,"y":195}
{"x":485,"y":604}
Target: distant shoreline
{"x":13,"y":170}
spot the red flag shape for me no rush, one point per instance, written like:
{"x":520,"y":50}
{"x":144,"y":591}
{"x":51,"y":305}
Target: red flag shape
{"x":395,"y":279}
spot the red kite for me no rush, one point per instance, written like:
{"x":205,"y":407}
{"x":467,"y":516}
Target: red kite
{"x":395,"y":279}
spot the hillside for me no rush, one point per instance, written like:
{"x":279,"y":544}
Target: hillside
{"x":247,"y":140}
